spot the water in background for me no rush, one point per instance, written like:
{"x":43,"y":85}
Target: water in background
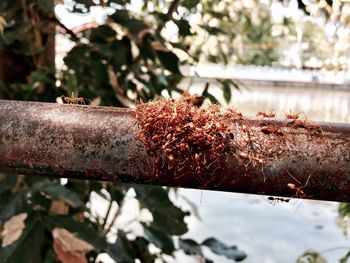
{"x":317,"y":104}
{"x":267,"y":233}
{"x":282,"y":232}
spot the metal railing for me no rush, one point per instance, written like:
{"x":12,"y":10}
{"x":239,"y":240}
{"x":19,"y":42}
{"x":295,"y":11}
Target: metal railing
{"x":101,"y":143}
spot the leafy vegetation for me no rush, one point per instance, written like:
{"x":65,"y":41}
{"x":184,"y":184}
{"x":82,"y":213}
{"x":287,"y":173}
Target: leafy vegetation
{"x":129,"y":56}
{"x":125,"y":58}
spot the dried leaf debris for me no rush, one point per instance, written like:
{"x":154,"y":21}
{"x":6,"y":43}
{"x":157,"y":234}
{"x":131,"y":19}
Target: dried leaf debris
{"x":69,"y":248}
{"x":13,"y":229}
{"x":58,"y":208}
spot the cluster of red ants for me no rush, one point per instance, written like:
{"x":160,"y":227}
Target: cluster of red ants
{"x":293,"y":120}
{"x":185,"y":140}
{"x":182,"y":137}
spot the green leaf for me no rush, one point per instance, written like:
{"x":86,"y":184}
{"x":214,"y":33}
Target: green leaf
{"x":193,"y":206}
{"x":212,"y":30}
{"x":159,"y":82}
{"x":121,"y":17}
{"x":226,"y":89}
{"x":159,"y":239}
{"x":190,"y":247}
{"x":116,"y":191}
{"x":302,"y":6}
{"x":169,"y":61}
{"x":119,"y":2}
{"x":206,"y":94}
{"x":102,"y":34}
{"x":14,"y":204}
{"x":122,"y":250}
{"x":345,"y":258}
{"x":16,"y":32}
{"x":166,"y":216}
{"x":46,"y":5}
{"x":7,"y":181}
{"x":126,"y":251}
{"x":311,"y":257}
{"x":162,"y":16}
{"x":121,"y":53}
{"x":184,"y":27}
{"x":190,"y":3}
{"x":50,"y":256}
{"x":220,"y":248}
{"x":147,"y":51}
{"x":78,"y":55}
{"x":59,"y":192}
{"x":344,"y":210}
{"x":134,"y":25}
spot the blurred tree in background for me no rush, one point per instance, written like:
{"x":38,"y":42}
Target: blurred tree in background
{"x":240,"y":31}
{"x":325,"y":32}
{"x":127,"y":57}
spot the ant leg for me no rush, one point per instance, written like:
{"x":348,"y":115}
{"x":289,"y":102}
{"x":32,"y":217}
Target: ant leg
{"x":262,"y":171}
{"x":307,"y":181}
{"x":272,"y":200}
{"x":294,"y":178}
{"x":220,"y":182}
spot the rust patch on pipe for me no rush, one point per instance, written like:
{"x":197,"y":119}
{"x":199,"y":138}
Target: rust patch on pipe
{"x":174,"y":143}
{"x":215,"y":148}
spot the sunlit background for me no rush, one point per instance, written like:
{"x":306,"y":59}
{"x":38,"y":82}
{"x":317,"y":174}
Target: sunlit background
{"x":268,"y":55}
{"x":306,"y":71}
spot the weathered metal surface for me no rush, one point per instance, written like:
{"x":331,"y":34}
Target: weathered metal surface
{"x":101,"y":143}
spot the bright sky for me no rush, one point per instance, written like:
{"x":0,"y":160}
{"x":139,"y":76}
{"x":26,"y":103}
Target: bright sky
{"x":99,"y":14}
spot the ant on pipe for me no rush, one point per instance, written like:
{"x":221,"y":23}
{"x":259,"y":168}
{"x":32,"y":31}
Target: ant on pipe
{"x":274,"y":200}
{"x":299,"y":193}
{"x":71,"y":100}
{"x":271,"y":129}
{"x":262,"y":114}
{"x":305,"y":125}
{"x":293,"y":117}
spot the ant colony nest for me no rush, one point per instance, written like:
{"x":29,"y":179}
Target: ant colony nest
{"x":184,"y":139}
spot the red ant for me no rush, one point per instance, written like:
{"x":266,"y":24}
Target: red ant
{"x":305,"y":125}
{"x":290,"y":116}
{"x":298,"y":192}
{"x":298,"y":123}
{"x":71,"y":100}
{"x":271,"y":129}
{"x":274,"y":200}
{"x":266,"y":115}
{"x":314,"y":127}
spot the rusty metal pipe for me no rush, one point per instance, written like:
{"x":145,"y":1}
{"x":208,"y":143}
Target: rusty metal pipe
{"x":100,"y":143}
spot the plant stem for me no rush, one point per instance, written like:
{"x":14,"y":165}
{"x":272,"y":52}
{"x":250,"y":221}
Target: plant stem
{"x":115,"y":217}
{"x":107,"y":214}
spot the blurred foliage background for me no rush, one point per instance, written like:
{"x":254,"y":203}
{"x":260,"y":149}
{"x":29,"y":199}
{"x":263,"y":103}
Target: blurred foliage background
{"x":130,"y":55}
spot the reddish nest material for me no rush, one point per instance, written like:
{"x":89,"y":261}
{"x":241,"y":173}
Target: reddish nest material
{"x":182,"y":138}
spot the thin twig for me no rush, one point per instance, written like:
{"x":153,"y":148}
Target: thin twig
{"x":107,"y":214}
{"x":332,"y":249}
{"x":115,"y":217}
